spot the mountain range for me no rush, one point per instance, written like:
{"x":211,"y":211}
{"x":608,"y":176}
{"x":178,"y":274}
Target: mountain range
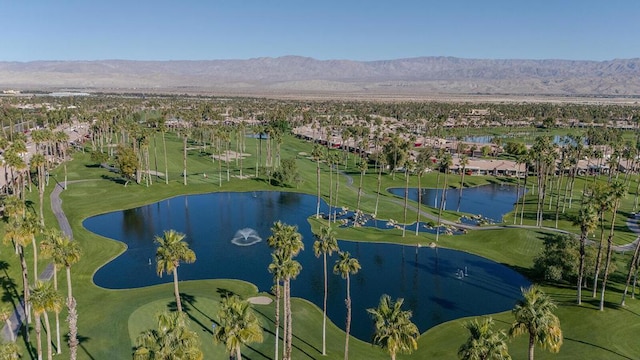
{"x":302,"y":75}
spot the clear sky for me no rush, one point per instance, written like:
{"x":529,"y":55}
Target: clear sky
{"x":322,"y":29}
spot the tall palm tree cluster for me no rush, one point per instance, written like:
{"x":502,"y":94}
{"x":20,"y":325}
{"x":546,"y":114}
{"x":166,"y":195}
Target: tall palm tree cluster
{"x":41,"y":297}
{"x":286,"y":243}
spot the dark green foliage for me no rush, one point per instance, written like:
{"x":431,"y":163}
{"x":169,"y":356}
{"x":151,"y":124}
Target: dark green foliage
{"x":560,"y":258}
{"x":287,"y":174}
{"x":99,"y":157}
{"x":127,"y":162}
{"x":515,"y":148}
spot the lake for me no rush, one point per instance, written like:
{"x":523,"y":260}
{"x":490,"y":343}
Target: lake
{"x":492,"y":201}
{"x":438,"y":285}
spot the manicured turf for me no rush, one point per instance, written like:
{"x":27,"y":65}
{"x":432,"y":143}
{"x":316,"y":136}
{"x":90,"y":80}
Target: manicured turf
{"x":109,"y":320}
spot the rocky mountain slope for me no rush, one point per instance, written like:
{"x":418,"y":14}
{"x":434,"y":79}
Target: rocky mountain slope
{"x":294,"y":74}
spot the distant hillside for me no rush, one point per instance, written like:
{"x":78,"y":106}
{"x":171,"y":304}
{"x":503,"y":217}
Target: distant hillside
{"x":294,"y":74}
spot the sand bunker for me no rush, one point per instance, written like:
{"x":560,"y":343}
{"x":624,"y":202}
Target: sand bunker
{"x":260,"y":300}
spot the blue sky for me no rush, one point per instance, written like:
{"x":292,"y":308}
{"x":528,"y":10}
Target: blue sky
{"x":322,"y":29}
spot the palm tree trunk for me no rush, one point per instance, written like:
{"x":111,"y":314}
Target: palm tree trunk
{"x":289,"y":321}
{"x":58,"y":348}
{"x":348,"y":324}
{"x":238,"y":353}
{"x":632,"y":268}
{"x":606,"y":272}
{"x":47,"y":327}
{"x":406,"y":204}
{"x":72,"y":319}
{"x":598,"y":257}
{"x":524,"y":195}
{"x":359,"y":193}
{"x":558,"y":198}
{"x":531,"y":346}
{"x":443,"y":199}
{"x":184,"y":158}
{"x":166,"y":165}
{"x":25,"y":286}
{"x":285,"y":325}
{"x":277,"y":319}
{"x":419,"y":202}
{"x":583,"y":241}
{"x":330,"y":192}
{"x":176,"y":290}
{"x":335,"y":209}
{"x":462,"y":186}
{"x":605,"y":276}
{"x":39,"y":337}
{"x":155,"y":154}
{"x":375,"y":212}
{"x":69,"y":291}
{"x":318,"y":188}
{"x":35,"y":259}
{"x":324,"y":313}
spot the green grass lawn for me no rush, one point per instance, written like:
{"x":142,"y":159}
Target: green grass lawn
{"x":110,"y":320}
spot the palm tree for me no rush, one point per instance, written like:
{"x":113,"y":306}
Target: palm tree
{"x":395,"y":332}
{"x":423,"y":162}
{"x":363,"y":166}
{"x":445,"y":165}
{"x":408,"y":169}
{"x":291,"y":269}
{"x":277,"y":269}
{"x":287,"y":243}
{"x":381,"y":164}
{"x":33,"y":228}
{"x":163,"y":129}
{"x":600,"y":197}
{"x":324,"y":245}
{"x":237,"y":325}
{"x":18,"y":236}
{"x":534,"y":316}
{"x":588,"y":221}
{"x":484,"y":343}
{"x":38,"y":162}
{"x":462,"y":167}
{"x":172,"y":250}
{"x":633,"y":269}
{"x":618,"y":191}
{"x":50,"y":247}
{"x":317,"y":155}
{"x":66,"y":252}
{"x":346,"y":266}
{"x":335,"y":208}
{"x":44,"y":298}
{"x":171,"y":341}
{"x":330,"y":161}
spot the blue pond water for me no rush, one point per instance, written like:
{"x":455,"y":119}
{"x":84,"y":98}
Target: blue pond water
{"x":431,"y":281}
{"x":491,"y":201}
